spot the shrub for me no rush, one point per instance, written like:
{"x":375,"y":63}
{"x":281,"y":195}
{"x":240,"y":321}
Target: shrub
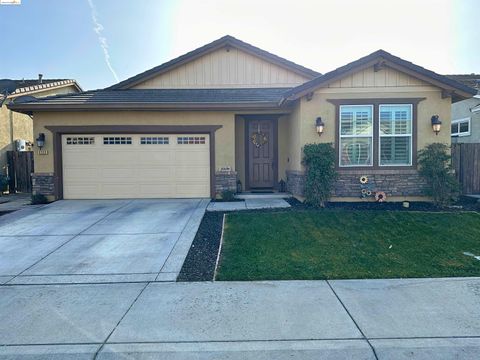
{"x":228,"y":195}
{"x":38,"y":199}
{"x":436,"y":169}
{"x":319,"y":160}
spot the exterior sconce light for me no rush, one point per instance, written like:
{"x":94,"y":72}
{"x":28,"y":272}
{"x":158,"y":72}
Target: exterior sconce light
{"x":40,"y":140}
{"x":436,"y":124}
{"x":319,"y":125}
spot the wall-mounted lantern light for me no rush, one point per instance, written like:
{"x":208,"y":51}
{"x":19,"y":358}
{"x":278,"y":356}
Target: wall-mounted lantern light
{"x":320,"y":125}
{"x":436,"y":124}
{"x":40,"y":140}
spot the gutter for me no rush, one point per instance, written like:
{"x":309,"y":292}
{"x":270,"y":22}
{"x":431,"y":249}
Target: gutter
{"x":34,"y":106}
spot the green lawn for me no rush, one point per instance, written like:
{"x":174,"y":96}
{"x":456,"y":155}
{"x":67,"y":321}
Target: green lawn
{"x":340,"y":244}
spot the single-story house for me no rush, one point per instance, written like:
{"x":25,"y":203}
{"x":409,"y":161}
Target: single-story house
{"x":466,"y":113}
{"x":17,"y":126}
{"x":229,"y":111}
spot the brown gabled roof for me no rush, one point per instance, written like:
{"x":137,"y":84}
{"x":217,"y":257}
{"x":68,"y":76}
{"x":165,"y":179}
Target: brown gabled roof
{"x":381,"y":58}
{"x":471,"y":80}
{"x":28,"y":86}
{"x":217,"y":44}
{"x":156,"y":99}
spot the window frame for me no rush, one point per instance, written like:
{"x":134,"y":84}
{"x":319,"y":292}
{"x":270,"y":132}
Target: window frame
{"x":458,"y":122}
{"x":371,"y":136}
{"x":391,"y":136}
{"x":376,"y":102}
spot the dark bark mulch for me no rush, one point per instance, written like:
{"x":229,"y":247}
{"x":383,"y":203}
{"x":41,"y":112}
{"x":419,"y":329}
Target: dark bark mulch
{"x":463,"y":204}
{"x":200,"y":262}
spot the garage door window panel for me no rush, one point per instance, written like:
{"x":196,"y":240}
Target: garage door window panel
{"x":154,"y":140}
{"x":117,"y":140}
{"x":191,"y":140}
{"x":78,"y":140}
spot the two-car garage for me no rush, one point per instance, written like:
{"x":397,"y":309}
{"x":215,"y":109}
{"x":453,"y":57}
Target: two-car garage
{"x":112,"y":166}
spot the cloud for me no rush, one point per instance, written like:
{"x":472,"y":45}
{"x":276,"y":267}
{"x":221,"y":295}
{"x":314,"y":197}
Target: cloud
{"x":98,"y":28}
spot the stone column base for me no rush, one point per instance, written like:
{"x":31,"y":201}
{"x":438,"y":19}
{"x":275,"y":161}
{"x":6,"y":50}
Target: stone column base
{"x":43,"y":184}
{"x":296,"y":182}
{"x":225,"y":180}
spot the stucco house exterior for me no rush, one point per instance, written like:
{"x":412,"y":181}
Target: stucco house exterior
{"x":16,"y":126}
{"x":466,"y":113}
{"x":228,"y":112}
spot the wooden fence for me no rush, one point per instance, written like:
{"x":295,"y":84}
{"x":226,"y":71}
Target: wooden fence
{"x":20,"y":169}
{"x":466,"y":162}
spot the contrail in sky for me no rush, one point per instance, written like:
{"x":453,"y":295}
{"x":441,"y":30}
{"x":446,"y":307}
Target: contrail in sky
{"x":98,"y":28}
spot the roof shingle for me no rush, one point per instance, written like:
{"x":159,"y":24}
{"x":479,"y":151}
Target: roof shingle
{"x":168,"y":96}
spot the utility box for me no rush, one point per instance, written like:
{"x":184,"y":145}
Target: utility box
{"x":21,"y":145}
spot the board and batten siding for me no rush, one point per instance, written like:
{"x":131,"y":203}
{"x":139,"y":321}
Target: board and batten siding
{"x":224,"y":68}
{"x":384,"y":78}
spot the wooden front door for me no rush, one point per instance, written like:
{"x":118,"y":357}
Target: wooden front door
{"x":261,"y":144}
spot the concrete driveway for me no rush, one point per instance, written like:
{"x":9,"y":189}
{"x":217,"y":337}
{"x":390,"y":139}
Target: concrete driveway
{"x":91,"y":241}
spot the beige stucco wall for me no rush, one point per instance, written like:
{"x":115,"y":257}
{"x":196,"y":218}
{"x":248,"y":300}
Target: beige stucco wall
{"x":393,"y":85}
{"x":223,"y":68}
{"x":294,"y":141}
{"x":22,"y":124}
{"x":283,"y":146}
{"x":22,"y":129}
{"x":224,"y":139}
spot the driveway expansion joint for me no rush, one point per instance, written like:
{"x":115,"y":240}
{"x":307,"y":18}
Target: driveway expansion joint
{"x":351,"y":317}
{"x":119,"y":321}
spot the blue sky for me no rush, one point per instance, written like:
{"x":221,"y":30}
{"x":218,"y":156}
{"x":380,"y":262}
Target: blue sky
{"x":58,"y":37}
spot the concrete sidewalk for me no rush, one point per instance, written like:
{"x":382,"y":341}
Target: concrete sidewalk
{"x":248,"y":204}
{"x":347,"y":319}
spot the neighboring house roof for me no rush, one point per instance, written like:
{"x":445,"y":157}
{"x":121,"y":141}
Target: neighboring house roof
{"x":217,"y":44}
{"x":471,"y":80}
{"x":25,"y":87}
{"x":157,"y":99}
{"x":381,"y":58}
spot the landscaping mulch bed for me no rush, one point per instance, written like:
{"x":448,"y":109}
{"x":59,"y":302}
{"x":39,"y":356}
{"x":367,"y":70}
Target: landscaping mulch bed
{"x":202,"y":256}
{"x":463,"y":204}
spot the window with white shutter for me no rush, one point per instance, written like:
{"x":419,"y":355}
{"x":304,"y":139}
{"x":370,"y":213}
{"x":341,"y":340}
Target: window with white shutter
{"x":395,"y":135}
{"x":356,"y":135}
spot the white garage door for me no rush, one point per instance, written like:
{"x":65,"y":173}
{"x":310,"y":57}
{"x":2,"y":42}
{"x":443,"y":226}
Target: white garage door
{"x":135,"y":166}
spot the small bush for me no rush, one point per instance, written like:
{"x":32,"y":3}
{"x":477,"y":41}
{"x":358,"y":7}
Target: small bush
{"x":436,"y":169}
{"x":319,"y":160}
{"x":228,"y":195}
{"x":39,"y":199}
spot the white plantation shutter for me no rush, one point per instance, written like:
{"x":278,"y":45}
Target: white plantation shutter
{"x":356,"y":135}
{"x":395,"y":134}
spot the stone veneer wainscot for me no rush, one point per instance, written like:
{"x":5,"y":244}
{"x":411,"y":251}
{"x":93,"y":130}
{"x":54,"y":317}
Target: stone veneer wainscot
{"x":43,"y":183}
{"x":392,"y":182}
{"x":225,"y":180}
